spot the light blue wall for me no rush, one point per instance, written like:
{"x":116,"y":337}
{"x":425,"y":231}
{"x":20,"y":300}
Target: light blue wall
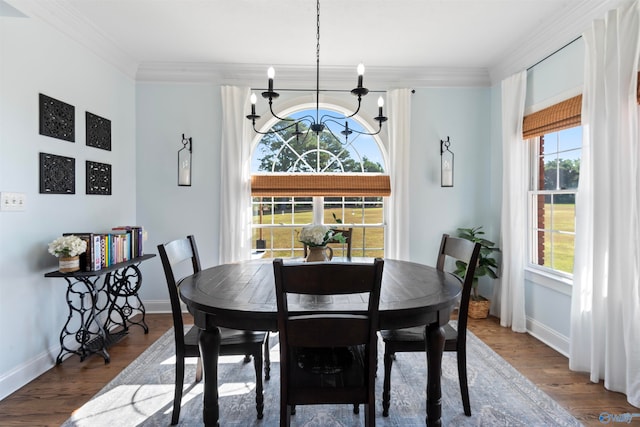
{"x":164,"y":112}
{"x":35,"y":59}
{"x":463,"y":115}
{"x":558,"y":77}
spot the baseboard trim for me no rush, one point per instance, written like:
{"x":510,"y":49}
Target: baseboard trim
{"x":548,"y":336}
{"x":27,"y":372}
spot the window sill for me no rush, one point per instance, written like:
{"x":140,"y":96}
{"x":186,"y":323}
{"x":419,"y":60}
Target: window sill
{"x":549,"y":280}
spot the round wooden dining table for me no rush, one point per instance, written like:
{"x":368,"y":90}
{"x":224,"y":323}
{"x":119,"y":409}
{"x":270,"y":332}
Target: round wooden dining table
{"x":242,"y":296}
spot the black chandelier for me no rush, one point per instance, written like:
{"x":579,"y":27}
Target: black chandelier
{"x":318,"y":123}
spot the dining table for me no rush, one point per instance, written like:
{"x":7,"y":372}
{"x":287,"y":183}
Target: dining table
{"x":242,"y":296}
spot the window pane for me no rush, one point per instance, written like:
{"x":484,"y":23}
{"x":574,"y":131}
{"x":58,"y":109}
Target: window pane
{"x":369,"y":242}
{"x":550,"y":171}
{"x":548,"y":244}
{"x":569,"y":139}
{"x":333,"y":213}
{"x":564,"y":212}
{"x":569,"y":171}
{"x":563,"y":245}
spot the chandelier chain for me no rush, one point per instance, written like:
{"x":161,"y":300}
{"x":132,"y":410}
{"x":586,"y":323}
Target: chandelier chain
{"x":317,"y":124}
{"x":317,"y":60}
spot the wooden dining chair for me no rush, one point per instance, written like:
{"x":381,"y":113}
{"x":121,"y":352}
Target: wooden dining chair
{"x":346,"y":246}
{"x":232,"y":342}
{"x":413,"y":339}
{"x":327,"y":357}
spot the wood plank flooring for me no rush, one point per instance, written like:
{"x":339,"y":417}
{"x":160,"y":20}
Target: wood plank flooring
{"x":51,"y":398}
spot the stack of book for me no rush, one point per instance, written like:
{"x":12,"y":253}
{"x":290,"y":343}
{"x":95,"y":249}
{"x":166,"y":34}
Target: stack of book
{"x":122,"y":244}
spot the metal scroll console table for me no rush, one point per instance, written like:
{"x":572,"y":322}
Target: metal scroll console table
{"x":103,"y":309}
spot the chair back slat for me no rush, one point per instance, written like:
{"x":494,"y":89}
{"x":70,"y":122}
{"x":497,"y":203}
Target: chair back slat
{"x":331,"y":278}
{"x":468,"y":252}
{"x":345,"y":330}
{"x":173,"y":254}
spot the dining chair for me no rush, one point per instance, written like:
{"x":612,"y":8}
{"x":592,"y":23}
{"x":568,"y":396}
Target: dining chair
{"x":413,"y":339}
{"x":232,"y":342}
{"x":346,"y":246}
{"x":327,"y":357}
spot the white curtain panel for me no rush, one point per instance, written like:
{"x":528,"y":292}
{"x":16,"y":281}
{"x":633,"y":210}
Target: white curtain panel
{"x":396,"y":239}
{"x":509,"y":288}
{"x":235,"y":178}
{"x":605,"y":305}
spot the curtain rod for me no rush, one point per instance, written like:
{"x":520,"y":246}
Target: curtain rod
{"x":554,"y":52}
{"x":313,"y":90}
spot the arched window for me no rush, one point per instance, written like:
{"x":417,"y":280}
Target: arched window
{"x":277,"y":220}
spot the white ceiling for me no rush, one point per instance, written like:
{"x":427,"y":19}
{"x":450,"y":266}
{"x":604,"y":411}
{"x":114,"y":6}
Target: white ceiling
{"x":401,"y":42}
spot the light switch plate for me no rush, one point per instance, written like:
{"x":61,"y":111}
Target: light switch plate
{"x":13,"y":201}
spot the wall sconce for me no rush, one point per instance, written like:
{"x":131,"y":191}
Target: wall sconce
{"x":446,"y":164}
{"x":184,"y":163}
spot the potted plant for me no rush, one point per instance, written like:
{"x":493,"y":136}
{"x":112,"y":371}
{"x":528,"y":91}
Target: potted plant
{"x":68,"y":249}
{"x":316,"y":238}
{"x":487,"y":266}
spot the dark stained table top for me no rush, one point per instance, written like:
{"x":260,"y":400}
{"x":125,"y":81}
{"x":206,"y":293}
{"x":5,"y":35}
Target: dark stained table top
{"x":242,"y":295}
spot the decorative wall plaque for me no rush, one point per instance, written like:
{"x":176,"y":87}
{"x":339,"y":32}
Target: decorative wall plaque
{"x":98,"y":178}
{"x":98,"y":131}
{"x":57,"y":174}
{"x":57,"y":119}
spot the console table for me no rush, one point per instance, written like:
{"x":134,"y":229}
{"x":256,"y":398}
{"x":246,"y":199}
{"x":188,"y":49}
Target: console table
{"x":102,"y":309}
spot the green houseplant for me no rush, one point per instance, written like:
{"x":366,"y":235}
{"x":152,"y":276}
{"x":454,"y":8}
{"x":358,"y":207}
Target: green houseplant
{"x":487,"y":266}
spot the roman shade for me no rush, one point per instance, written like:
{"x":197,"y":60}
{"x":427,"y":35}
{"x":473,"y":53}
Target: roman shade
{"x":314,"y":184}
{"x":560,"y":116}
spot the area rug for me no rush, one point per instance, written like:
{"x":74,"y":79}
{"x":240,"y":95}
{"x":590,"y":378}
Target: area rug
{"x":142,"y":394}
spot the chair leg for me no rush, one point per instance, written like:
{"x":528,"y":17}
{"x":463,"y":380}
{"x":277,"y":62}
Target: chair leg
{"x":356,"y":408}
{"x":257,"y":363}
{"x":267,"y":359}
{"x":462,"y":379}
{"x":285,"y":415}
{"x":247,"y":358}
{"x":199,"y":370}
{"x":369,"y":415}
{"x":177,"y":396}
{"x":386,"y":385}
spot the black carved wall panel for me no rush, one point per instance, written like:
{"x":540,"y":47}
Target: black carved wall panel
{"x":98,"y":178}
{"x":98,"y":131}
{"x":57,"y":174}
{"x":57,"y":119}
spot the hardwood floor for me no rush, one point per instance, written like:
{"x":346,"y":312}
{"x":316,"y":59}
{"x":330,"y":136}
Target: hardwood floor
{"x":51,"y":398}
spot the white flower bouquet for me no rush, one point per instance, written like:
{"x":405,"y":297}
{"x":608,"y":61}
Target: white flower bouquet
{"x":67,"y":246}
{"x":319,"y":235}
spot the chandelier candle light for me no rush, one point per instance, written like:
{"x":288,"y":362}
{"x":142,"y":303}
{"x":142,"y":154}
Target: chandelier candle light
{"x":317,"y":124}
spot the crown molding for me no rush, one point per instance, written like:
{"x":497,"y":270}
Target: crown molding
{"x":552,"y":36}
{"x":547,"y":39}
{"x":65,"y":18}
{"x":296,"y":77}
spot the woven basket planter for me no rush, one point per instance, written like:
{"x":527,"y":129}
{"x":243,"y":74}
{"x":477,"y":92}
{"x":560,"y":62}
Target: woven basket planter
{"x":479,"y":309}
